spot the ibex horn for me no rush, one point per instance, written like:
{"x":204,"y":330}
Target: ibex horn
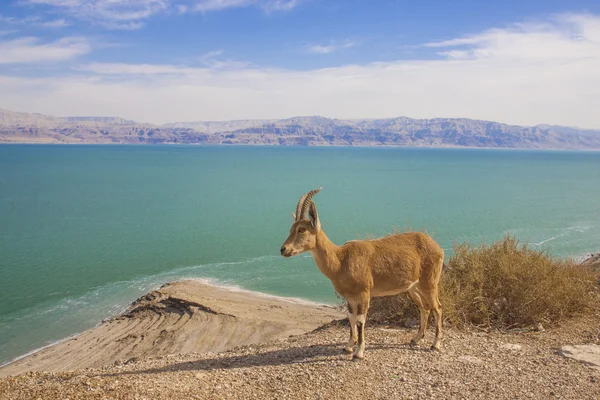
{"x":304,"y":202}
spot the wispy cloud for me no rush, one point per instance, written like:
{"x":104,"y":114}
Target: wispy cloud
{"x":329,"y":48}
{"x":523,"y":74}
{"x":457,"y":41}
{"x":30,"y":49}
{"x":213,"y":60}
{"x":564,"y":38}
{"x":34,"y":20}
{"x":280,"y":5}
{"x":132,"y":14}
{"x":113,"y":14}
{"x":210,"y":65}
{"x":57,"y":23}
{"x":139,"y":69}
{"x":6,"y":20}
{"x":211,"y":55}
{"x":217,"y":5}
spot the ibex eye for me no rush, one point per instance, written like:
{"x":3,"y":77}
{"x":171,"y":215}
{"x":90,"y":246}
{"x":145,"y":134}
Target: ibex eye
{"x":301,"y":230}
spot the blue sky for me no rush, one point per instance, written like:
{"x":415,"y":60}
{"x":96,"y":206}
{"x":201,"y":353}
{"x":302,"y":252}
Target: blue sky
{"x":522,"y":62}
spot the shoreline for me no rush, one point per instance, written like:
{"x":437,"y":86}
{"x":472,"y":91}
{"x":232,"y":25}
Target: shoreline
{"x":589,"y":258}
{"x":190,"y":315}
{"x":363,"y":146}
{"x":472,"y":365}
{"x":119,"y":298}
{"x":190,"y":339}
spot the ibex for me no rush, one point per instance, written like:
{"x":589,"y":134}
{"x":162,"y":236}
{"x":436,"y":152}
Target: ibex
{"x":361,"y":269}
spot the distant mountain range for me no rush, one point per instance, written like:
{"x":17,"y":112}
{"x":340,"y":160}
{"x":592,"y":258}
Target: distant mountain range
{"x":304,"y":131}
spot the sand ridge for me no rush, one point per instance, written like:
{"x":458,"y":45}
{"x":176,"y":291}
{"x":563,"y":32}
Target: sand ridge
{"x":180,"y":317}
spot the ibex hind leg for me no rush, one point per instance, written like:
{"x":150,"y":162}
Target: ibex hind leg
{"x":416,"y":296}
{"x":437,"y":312}
{"x":429,"y":301}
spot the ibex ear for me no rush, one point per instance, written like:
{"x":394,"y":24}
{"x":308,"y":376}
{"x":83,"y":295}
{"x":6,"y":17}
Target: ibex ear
{"x":313,"y":215}
{"x":294,"y":215}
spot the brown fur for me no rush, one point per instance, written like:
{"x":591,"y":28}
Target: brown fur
{"x":405,"y":262}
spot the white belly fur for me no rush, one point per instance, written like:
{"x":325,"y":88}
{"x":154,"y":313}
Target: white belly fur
{"x":406,"y":288}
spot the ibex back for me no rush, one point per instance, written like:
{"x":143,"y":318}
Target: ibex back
{"x":361,"y":269}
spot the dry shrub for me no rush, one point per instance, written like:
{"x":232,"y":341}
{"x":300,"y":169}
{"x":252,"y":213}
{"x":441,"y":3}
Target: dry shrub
{"x":503,"y":285}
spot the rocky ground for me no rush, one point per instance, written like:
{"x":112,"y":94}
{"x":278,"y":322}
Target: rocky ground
{"x":593,"y":261}
{"x":472,"y":365}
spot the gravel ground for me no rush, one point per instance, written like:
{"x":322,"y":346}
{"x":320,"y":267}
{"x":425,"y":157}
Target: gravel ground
{"x":472,"y":365}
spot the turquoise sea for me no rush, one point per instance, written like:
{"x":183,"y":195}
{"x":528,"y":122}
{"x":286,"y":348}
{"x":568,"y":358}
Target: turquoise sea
{"x":84,"y":230}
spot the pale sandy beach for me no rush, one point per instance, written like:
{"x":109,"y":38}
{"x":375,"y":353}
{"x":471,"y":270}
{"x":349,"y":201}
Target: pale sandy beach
{"x":180,"y":317}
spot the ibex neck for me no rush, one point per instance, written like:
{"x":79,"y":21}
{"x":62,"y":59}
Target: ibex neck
{"x":325,"y":254}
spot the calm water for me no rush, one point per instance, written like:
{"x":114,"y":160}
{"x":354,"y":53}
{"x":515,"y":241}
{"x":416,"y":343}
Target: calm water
{"x":84,"y":230}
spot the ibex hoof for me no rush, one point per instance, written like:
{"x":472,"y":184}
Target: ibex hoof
{"x":435,"y":348}
{"x":413,"y":343}
{"x":348,"y":349}
{"x":357,"y":358}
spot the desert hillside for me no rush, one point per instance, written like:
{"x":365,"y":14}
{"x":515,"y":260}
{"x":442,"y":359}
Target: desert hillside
{"x":304,"y":131}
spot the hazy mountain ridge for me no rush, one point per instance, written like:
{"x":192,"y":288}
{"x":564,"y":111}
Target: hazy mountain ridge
{"x":402,"y":131}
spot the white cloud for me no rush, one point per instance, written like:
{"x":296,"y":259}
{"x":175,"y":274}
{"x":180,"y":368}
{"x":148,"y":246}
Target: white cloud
{"x":525,"y":74}
{"x":330,"y":48}
{"x":18,"y":21}
{"x":217,"y":5}
{"x":34,"y":20}
{"x":57,"y":23}
{"x":567,"y":37}
{"x":457,"y":41}
{"x":131,"y":14}
{"x":214,"y":5}
{"x":211,"y":60}
{"x":280,"y":5}
{"x":138,"y":69}
{"x":113,"y":14}
{"x":211,"y":55}
{"x":29,"y":50}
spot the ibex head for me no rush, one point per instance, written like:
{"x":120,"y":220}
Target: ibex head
{"x":303,"y":233}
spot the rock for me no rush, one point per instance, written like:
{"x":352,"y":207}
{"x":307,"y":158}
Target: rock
{"x":470,"y":360}
{"x":410,"y":322}
{"x":586,"y":353}
{"x":511,"y":346}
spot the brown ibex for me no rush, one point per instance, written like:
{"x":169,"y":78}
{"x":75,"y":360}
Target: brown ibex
{"x":361,"y":269}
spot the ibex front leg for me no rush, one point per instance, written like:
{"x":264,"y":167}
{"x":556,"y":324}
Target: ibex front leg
{"x":353,"y":334}
{"x":362,"y":307}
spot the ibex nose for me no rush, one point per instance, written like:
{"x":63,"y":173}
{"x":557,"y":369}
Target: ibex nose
{"x":282,"y":249}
